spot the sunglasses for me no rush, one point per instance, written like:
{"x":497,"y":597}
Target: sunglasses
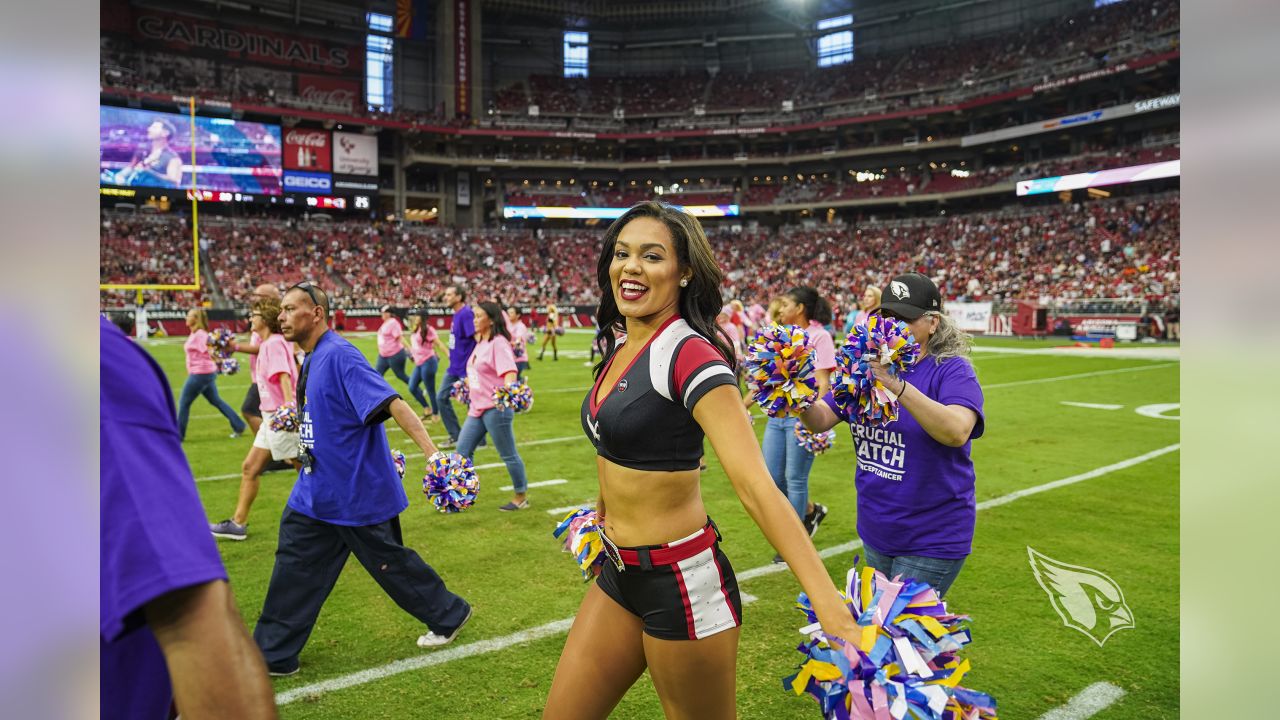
{"x":307,"y":287}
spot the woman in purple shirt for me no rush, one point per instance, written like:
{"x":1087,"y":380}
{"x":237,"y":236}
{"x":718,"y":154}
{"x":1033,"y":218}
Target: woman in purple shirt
{"x":914,"y":476}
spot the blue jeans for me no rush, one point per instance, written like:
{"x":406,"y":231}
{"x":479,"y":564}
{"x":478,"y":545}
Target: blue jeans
{"x":425,"y":374}
{"x":497,"y":422}
{"x":938,"y":572}
{"x":522,"y":366}
{"x":394,"y":363}
{"x":446,"y":404}
{"x":206,"y":385}
{"x":788,"y":463}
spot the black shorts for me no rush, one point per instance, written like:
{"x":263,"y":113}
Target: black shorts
{"x":683,"y":590}
{"x":252,"y":402}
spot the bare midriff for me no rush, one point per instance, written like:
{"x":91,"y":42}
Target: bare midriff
{"x":647,"y":507}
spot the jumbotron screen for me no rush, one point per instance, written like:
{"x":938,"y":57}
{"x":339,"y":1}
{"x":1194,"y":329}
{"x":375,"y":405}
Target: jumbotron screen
{"x":144,"y":148}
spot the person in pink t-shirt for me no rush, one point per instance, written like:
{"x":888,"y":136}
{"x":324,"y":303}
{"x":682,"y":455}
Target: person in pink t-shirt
{"x":391,"y":352}
{"x":249,"y":409}
{"x":423,"y":344}
{"x":276,"y":375}
{"x":202,"y":375}
{"x":788,"y":462}
{"x":492,"y":364}
{"x":521,"y":336}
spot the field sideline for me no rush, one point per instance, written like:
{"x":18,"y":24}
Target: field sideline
{"x":1116,"y":511}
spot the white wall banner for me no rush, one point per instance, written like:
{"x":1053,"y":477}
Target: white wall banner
{"x":464,"y":188}
{"x":355,"y":154}
{"x":971,"y":317}
{"x":1099,"y":115}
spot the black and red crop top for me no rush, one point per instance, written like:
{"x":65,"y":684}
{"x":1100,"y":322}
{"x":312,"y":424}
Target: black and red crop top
{"x":645,"y":421}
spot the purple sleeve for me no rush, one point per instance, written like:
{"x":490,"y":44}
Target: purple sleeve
{"x":155,"y":537}
{"x":368,"y":391}
{"x":830,"y":400}
{"x":959,"y":386}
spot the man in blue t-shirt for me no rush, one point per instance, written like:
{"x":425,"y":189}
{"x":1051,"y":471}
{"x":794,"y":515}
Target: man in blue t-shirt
{"x":348,"y":497}
{"x":168,"y":625}
{"x":461,"y":342}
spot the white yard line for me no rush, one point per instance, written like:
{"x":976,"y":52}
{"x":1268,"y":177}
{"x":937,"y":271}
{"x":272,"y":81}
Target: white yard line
{"x":544,"y":483}
{"x":1092,"y":406}
{"x":481,"y":647}
{"x":1059,"y":378}
{"x":1087,"y":703}
{"x":569,"y":508}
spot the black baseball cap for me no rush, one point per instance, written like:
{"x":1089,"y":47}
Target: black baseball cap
{"x":911,"y":295}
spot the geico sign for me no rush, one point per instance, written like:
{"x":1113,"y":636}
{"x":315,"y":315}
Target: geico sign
{"x":306,"y":182}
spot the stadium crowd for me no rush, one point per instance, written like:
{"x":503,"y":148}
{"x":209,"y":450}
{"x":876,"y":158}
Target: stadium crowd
{"x":1121,"y":248}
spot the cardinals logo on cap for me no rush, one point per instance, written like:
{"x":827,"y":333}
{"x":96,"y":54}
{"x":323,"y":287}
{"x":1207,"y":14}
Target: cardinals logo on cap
{"x":899,"y":290}
{"x":1085,"y":599}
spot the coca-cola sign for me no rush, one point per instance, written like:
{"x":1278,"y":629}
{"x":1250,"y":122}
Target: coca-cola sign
{"x":307,"y":150}
{"x":328,"y":93}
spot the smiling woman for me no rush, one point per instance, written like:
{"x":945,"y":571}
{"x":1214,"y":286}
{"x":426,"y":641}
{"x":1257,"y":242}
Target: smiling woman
{"x":668,"y":600}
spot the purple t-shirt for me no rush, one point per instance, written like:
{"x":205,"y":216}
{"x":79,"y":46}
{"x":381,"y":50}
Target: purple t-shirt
{"x":155,"y":538}
{"x":462,"y":340}
{"x":916,"y":495}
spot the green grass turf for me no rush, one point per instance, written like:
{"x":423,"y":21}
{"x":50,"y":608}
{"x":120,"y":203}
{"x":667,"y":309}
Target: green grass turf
{"x":508,"y":566}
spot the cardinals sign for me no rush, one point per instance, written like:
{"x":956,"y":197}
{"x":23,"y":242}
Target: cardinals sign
{"x":1085,"y":599}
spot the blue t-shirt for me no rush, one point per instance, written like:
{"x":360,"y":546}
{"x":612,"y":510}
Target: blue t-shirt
{"x":916,"y":495}
{"x":462,"y":340}
{"x":155,"y":538}
{"x":352,"y":479}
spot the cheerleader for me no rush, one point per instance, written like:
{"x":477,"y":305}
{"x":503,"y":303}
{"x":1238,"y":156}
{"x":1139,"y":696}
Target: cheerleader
{"x":667,"y":599}
{"x":551,"y":328}
{"x":276,"y":375}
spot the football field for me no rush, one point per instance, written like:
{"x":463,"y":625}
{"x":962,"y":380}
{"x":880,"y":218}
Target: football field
{"x":1079,"y":461}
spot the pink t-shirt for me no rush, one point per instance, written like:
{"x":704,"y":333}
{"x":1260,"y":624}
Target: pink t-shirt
{"x":423,"y":351}
{"x":254,"y":341}
{"x":824,"y":348}
{"x":274,"y":357}
{"x":389,"y":338}
{"x":520,"y":337}
{"x":199,"y":361}
{"x":490,"y":360}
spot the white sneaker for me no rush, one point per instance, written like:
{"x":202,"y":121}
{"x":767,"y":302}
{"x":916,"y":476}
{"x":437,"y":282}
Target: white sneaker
{"x":432,"y":640}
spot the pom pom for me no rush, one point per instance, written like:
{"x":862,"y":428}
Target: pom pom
{"x":401,"y":462}
{"x":451,"y":482}
{"x":229,"y":366}
{"x":815,"y":443}
{"x":515,"y":396}
{"x":461,"y":392}
{"x":582,"y":537}
{"x":285,"y":418}
{"x":222,"y":342}
{"x":854,"y":387}
{"x":903,"y":665}
{"x":779,"y":369}
{"x":559,"y":331}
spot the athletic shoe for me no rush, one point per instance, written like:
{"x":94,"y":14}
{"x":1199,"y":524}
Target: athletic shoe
{"x":447,"y":444}
{"x":513,"y":506}
{"x":813,"y":520}
{"x":235,"y":435}
{"x":283,"y":669}
{"x":229,"y":530}
{"x":777,"y":560}
{"x":431,"y":640}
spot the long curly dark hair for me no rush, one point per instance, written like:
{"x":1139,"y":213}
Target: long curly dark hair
{"x":700,"y":301}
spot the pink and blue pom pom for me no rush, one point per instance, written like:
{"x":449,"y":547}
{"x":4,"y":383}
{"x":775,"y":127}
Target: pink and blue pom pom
{"x":222,"y":342}
{"x":461,"y":391}
{"x":229,"y":366}
{"x":815,"y":443}
{"x":451,"y":483}
{"x":905,"y":665}
{"x":854,"y":387}
{"x":401,"y":462}
{"x":515,"y":396}
{"x":285,"y":418}
{"x":779,"y":370}
{"x":582,"y":537}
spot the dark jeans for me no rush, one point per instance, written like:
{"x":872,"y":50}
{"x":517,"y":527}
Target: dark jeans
{"x":938,"y":572}
{"x":425,"y":374}
{"x":309,"y":558}
{"x":497,"y":423}
{"x":447,"y":415}
{"x":206,"y":385}
{"x":394,"y":363}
